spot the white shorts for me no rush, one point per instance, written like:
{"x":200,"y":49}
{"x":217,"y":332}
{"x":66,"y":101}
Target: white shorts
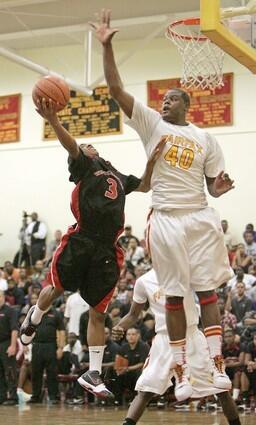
{"x":157,"y":372}
{"x":188,"y":250}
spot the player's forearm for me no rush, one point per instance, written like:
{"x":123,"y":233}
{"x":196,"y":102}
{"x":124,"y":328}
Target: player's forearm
{"x":67,"y":141}
{"x":112,"y":75}
{"x":146,"y":178}
{"x":127,"y":321}
{"x":212,"y":190}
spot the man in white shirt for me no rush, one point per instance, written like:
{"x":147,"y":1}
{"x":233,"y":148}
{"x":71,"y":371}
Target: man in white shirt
{"x":75,"y":306}
{"x":250,"y":245}
{"x":157,"y":371}
{"x":35,"y":236}
{"x":185,"y":239}
{"x":227,"y":234}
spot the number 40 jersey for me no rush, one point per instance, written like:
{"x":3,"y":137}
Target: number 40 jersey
{"x":190,"y":154}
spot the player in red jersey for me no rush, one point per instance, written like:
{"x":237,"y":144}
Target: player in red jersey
{"x":88,"y":258}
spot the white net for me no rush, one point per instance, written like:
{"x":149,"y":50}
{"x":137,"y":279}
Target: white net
{"x":202,"y":59}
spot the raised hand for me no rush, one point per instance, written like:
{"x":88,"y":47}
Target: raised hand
{"x":47,"y":109}
{"x":102,"y":29}
{"x":157,"y":151}
{"x":222,"y":183}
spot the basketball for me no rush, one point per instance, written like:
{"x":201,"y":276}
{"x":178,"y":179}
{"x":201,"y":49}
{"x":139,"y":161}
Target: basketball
{"x":54,"y":88}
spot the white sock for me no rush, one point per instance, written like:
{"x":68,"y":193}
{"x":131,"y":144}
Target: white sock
{"x":236,"y":392}
{"x":179,"y":351}
{"x":96,"y":357}
{"x":213,"y":336}
{"x":37,"y":315}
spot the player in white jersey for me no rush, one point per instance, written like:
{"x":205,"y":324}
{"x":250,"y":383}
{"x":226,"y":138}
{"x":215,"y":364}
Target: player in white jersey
{"x":157,"y":372}
{"x":186,"y":239}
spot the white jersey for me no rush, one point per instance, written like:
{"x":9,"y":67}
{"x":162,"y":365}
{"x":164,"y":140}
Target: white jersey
{"x":147,"y":289}
{"x":190,"y":154}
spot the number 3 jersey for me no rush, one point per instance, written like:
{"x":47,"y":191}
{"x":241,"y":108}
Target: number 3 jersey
{"x":190,"y":154}
{"x":98,"y":199}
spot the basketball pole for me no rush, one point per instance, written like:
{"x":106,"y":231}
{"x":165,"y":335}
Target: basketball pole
{"x":12,"y":56}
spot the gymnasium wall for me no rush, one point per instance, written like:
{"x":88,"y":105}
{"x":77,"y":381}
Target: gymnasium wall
{"x":33,"y":173}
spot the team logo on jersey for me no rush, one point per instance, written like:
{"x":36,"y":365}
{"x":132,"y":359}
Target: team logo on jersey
{"x":182,"y":151}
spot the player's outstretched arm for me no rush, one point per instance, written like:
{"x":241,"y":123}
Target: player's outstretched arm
{"x":48,"y":111}
{"x":219,"y":185}
{"x":105,"y":34}
{"x":127,"y":321}
{"x":146,"y":178}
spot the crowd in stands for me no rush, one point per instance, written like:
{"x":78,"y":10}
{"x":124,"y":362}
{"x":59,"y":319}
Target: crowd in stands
{"x":48,"y":368}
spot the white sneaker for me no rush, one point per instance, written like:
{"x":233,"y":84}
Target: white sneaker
{"x":220,"y":378}
{"x":183,"y":389}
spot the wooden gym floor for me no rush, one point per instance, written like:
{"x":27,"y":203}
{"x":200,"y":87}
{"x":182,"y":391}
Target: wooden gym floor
{"x":80,"y":415}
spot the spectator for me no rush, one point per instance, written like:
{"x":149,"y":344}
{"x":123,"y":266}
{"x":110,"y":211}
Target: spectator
{"x":52,"y":246}
{"x":250,"y":228}
{"x":233,"y":360}
{"x":10,"y":272}
{"x":250,"y":364}
{"x":14,"y":296}
{"x":227,"y":320}
{"x":122,"y":295}
{"x":72,"y":355}
{"x":136,"y":352}
{"x":3,"y":282}
{"x":36,"y":232}
{"x":23,"y":282}
{"x":250,"y":245}
{"x":125,"y":239}
{"x":39,"y":274}
{"x":240,"y":276}
{"x":227,"y":234}
{"x":32,"y":300}
{"x":134,"y":254}
{"x":115,"y":312}
{"x":145,"y":262}
{"x":75,"y":306}
{"x":240,"y":304}
{"x":8,"y":343}
{"x":241,"y":260}
{"x":46,"y":349}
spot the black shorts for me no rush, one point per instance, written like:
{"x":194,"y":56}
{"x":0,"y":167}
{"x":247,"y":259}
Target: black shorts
{"x":91,"y":266}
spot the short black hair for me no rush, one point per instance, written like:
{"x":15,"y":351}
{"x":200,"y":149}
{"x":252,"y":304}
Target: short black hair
{"x":185,"y":96}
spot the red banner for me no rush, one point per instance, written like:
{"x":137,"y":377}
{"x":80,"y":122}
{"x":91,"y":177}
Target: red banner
{"x":10,"y":118}
{"x":209,"y":108}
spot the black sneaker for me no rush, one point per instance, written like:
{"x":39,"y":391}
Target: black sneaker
{"x":28,"y":328}
{"x":92,"y":382}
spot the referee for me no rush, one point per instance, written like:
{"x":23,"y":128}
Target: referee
{"x":47,"y":348}
{"x":8,"y":342}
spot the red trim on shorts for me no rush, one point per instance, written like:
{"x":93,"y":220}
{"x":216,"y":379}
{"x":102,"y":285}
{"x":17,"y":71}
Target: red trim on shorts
{"x":208,"y":300}
{"x":103,"y":305}
{"x":174,"y":307}
{"x":148,"y":232}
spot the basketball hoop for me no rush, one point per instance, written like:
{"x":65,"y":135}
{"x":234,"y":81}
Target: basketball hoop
{"x":202,"y":59}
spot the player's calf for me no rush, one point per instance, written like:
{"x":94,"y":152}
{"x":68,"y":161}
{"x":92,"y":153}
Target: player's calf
{"x":176,"y":324}
{"x":213,"y":334}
